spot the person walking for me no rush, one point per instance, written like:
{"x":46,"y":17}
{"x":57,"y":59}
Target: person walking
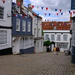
{"x":57,"y":50}
{"x":54,"y":50}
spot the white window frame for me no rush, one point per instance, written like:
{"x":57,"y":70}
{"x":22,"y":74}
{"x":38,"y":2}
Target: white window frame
{"x":3,"y":37}
{"x":58,"y":39}
{"x":18,"y":25}
{"x":52,"y":37}
{"x":23,"y":25}
{"x":2,"y":12}
{"x":65,"y":39}
{"x":29,"y":26}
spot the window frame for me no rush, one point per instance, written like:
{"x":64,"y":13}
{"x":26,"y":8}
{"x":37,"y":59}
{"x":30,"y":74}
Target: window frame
{"x":3,"y":37}
{"x":23,"y":25}
{"x":58,"y":37}
{"x":29,"y":26}
{"x":64,"y":37}
{"x":2,"y":12}
{"x":52,"y":38}
{"x":18,"y":24}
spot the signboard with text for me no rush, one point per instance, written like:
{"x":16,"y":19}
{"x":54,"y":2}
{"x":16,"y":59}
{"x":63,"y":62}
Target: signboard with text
{"x":72,"y":4}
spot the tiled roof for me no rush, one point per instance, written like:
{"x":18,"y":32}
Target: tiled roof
{"x":56,"y":25}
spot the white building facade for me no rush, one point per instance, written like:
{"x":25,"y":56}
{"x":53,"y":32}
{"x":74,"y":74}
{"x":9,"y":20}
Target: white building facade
{"x":5,"y":25}
{"x":60,"y":37}
{"x":36,"y":31}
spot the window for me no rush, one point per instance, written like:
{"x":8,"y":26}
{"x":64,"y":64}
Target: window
{"x":23,"y":25}
{"x":31,"y":42}
{"x":35,"y":20}
{"x":52,"y":37}
{"x":64,"y":37}
{"x":3,"y":37}
{"x":28,"y":26}
{"x":58,"y":37}
{"x":17,"y":24}
{"x":34,"y":31}
{"x":47,"y":37}
{"x":1,"y":12}
{"x":37,"y":44}
{"x":24,"y":43}
{"x":62,"y":45}
{"x":38,"y":32}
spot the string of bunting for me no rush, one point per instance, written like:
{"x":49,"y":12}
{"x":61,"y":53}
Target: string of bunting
{"x":47,"y":8}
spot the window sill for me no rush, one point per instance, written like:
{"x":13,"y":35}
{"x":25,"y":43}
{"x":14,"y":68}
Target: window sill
{"x":3,"y":44}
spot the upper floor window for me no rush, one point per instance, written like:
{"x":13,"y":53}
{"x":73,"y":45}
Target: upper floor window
{"x":52,"y":37}
{"x":64,"y":37}
{"x":34,"y":31}
{"x":23,"y":25}
{"x":17,"y":24}
{"x":35,"y":20}
{"x":3,"y":37}
{"x":28,"y":26}
{"x":47,"y":37}
{"x":58,"y":37}
{"x":1,"y":12}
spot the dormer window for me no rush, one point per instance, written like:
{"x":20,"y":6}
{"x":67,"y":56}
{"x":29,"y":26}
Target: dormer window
{"x":1,"y":12}
{"x":55,"y":28}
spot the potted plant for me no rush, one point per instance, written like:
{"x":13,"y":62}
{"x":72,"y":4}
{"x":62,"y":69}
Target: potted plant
{"x":47,"y":44}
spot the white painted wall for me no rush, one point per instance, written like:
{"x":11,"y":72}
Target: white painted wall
{"x":49,"y":32}
{"x":7,"y":11}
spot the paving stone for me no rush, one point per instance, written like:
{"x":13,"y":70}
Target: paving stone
{"x":37,"y":64}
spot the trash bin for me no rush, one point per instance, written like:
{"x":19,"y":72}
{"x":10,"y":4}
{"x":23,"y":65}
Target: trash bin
{"x":67,"y":52}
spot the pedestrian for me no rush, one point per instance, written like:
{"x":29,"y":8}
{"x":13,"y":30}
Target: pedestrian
{"x":54,"y":50}
{"x":57,"y":50}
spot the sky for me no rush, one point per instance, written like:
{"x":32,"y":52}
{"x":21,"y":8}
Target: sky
{"x":65,"y":5}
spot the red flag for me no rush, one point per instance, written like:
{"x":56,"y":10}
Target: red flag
{"x":70,"y":13}
{"x":3,"y":1}
{"x":45,"y":14}
{"x":32,"y":6}
{"x":73,"y":12}
{"x":60,"y":10}
{"x":46,"y":8}
{"x":57,"y":13}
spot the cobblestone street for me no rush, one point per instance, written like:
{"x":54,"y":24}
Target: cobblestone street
{"x":36,"y":64}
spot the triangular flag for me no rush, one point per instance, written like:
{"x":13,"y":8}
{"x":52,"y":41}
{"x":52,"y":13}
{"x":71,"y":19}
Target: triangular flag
{"x":46,"y":8}
{"x":61,"y":13}
{"x":60,"y":10}
{"x":57,"y":13}
{"x":45,"y":13}
{"x":55,"y":9}
{"x":42,"y":8}
{"x":49,"y":14}
{"x":32,"y":6}
{"x":3,"y":1}
{"x":73,"y":12}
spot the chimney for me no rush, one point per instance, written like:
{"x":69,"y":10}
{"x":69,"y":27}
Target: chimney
{"x":71,"y":17}
{"x":19,"y":1}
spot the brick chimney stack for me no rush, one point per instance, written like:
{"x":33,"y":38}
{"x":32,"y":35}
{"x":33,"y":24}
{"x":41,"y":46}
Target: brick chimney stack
{"x":70,"y":17}
{"x":19,"y":1}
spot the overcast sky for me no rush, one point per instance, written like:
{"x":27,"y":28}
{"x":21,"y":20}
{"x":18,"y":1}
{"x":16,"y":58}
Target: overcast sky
{"x":65,"y":5}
